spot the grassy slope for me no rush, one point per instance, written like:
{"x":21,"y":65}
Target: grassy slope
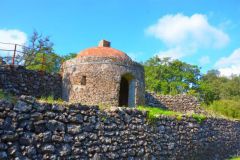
{"x":235,"y":158}
{"x":227,"y":108}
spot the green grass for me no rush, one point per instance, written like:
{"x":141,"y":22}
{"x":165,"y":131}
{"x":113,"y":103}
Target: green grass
{"x":11,"y":98}
{"x":103,"y":107}
{"x":2,"y":95}
{"x":7,"y":96}
{"x":226,"y":108}
{"x":199,"y":117}
{"x":51,"y":99}
{"x":154,"y":113}
{"x":235,"y":158}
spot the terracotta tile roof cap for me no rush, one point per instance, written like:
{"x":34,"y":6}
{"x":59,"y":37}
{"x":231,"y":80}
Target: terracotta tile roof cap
{"x":103,"y":50}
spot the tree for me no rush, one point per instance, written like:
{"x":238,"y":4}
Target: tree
{"x":233,"y":87}
{"x":210,"y":86}
{"x":51,"y":63}
{"x":38,"y":44}
{"x":215,"y":87}
{"x":168,"y":76}
{"x":39,"y":54}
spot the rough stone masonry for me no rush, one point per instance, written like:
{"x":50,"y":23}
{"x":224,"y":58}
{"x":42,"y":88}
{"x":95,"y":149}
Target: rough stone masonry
{"x":33,"y":130}
{"x":103,"y":76}
{"x":180,"y":103}
{"x":20,"y":81}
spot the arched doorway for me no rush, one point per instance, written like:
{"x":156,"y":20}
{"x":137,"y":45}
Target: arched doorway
{"x":127,"y":91}
{"x":124,"y":91}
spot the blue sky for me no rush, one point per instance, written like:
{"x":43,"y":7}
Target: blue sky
{"x":204,"y":32}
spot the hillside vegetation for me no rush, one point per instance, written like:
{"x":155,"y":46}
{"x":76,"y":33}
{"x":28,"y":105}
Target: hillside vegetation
{"x":227,"y":108}
{"x":219,"y":95}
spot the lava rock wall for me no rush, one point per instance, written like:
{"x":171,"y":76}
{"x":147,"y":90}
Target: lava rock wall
{"x":33,"y":130}
{"x":180,"y":103}
{"x":20,"y":81}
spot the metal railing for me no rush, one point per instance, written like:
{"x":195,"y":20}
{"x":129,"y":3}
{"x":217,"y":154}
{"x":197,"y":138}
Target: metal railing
{"x":14,"y":51}
{"x":16,"y":54}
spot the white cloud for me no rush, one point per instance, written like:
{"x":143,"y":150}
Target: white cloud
{"x":231,"y":70}
{"x":204,"y":60}
{"x":188,"y":33}
{"x":234,"y":58}
{"x":229,"y":65}
{"x":11,"y":36}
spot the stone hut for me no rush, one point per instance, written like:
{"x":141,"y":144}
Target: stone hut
{"x":103,"y":76}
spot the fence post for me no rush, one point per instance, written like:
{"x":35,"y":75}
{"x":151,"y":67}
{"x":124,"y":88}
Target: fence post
{"x":14,"y":54}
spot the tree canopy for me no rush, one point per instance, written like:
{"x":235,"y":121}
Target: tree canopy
{"x":215,"y":87}
{"x":39,"y":54}
{"x":168,"y":76}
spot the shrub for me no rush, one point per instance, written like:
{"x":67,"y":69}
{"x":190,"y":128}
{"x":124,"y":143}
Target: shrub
{"x":228,"y":108}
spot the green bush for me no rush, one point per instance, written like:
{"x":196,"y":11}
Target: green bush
{"x":228,"y":108}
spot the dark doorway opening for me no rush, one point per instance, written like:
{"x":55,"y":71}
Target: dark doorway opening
{"x":123,"y":93}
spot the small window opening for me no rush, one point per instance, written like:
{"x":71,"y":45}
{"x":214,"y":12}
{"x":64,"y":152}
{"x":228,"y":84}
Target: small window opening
{"x":83,"y":80}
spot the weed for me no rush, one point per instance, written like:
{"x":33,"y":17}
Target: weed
{"x":51,"y":99}
{"x":199,"y":117}
{"x":103,"y":117}
{"x":154,"y":113}
{"x":179,"y":117}
{"x":227,"y":108}
{"x":7,"y":96}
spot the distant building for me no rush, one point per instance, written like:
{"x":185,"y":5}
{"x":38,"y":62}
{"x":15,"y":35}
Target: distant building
{"x":103,"y":75}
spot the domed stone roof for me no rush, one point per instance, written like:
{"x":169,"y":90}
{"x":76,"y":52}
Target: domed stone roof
{"x":104,"y":50}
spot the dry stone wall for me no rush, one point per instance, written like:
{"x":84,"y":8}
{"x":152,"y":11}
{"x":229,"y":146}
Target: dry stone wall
{"x":32,"y":130}
{"x":20,"y":81}
{"x":180,"y":103}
